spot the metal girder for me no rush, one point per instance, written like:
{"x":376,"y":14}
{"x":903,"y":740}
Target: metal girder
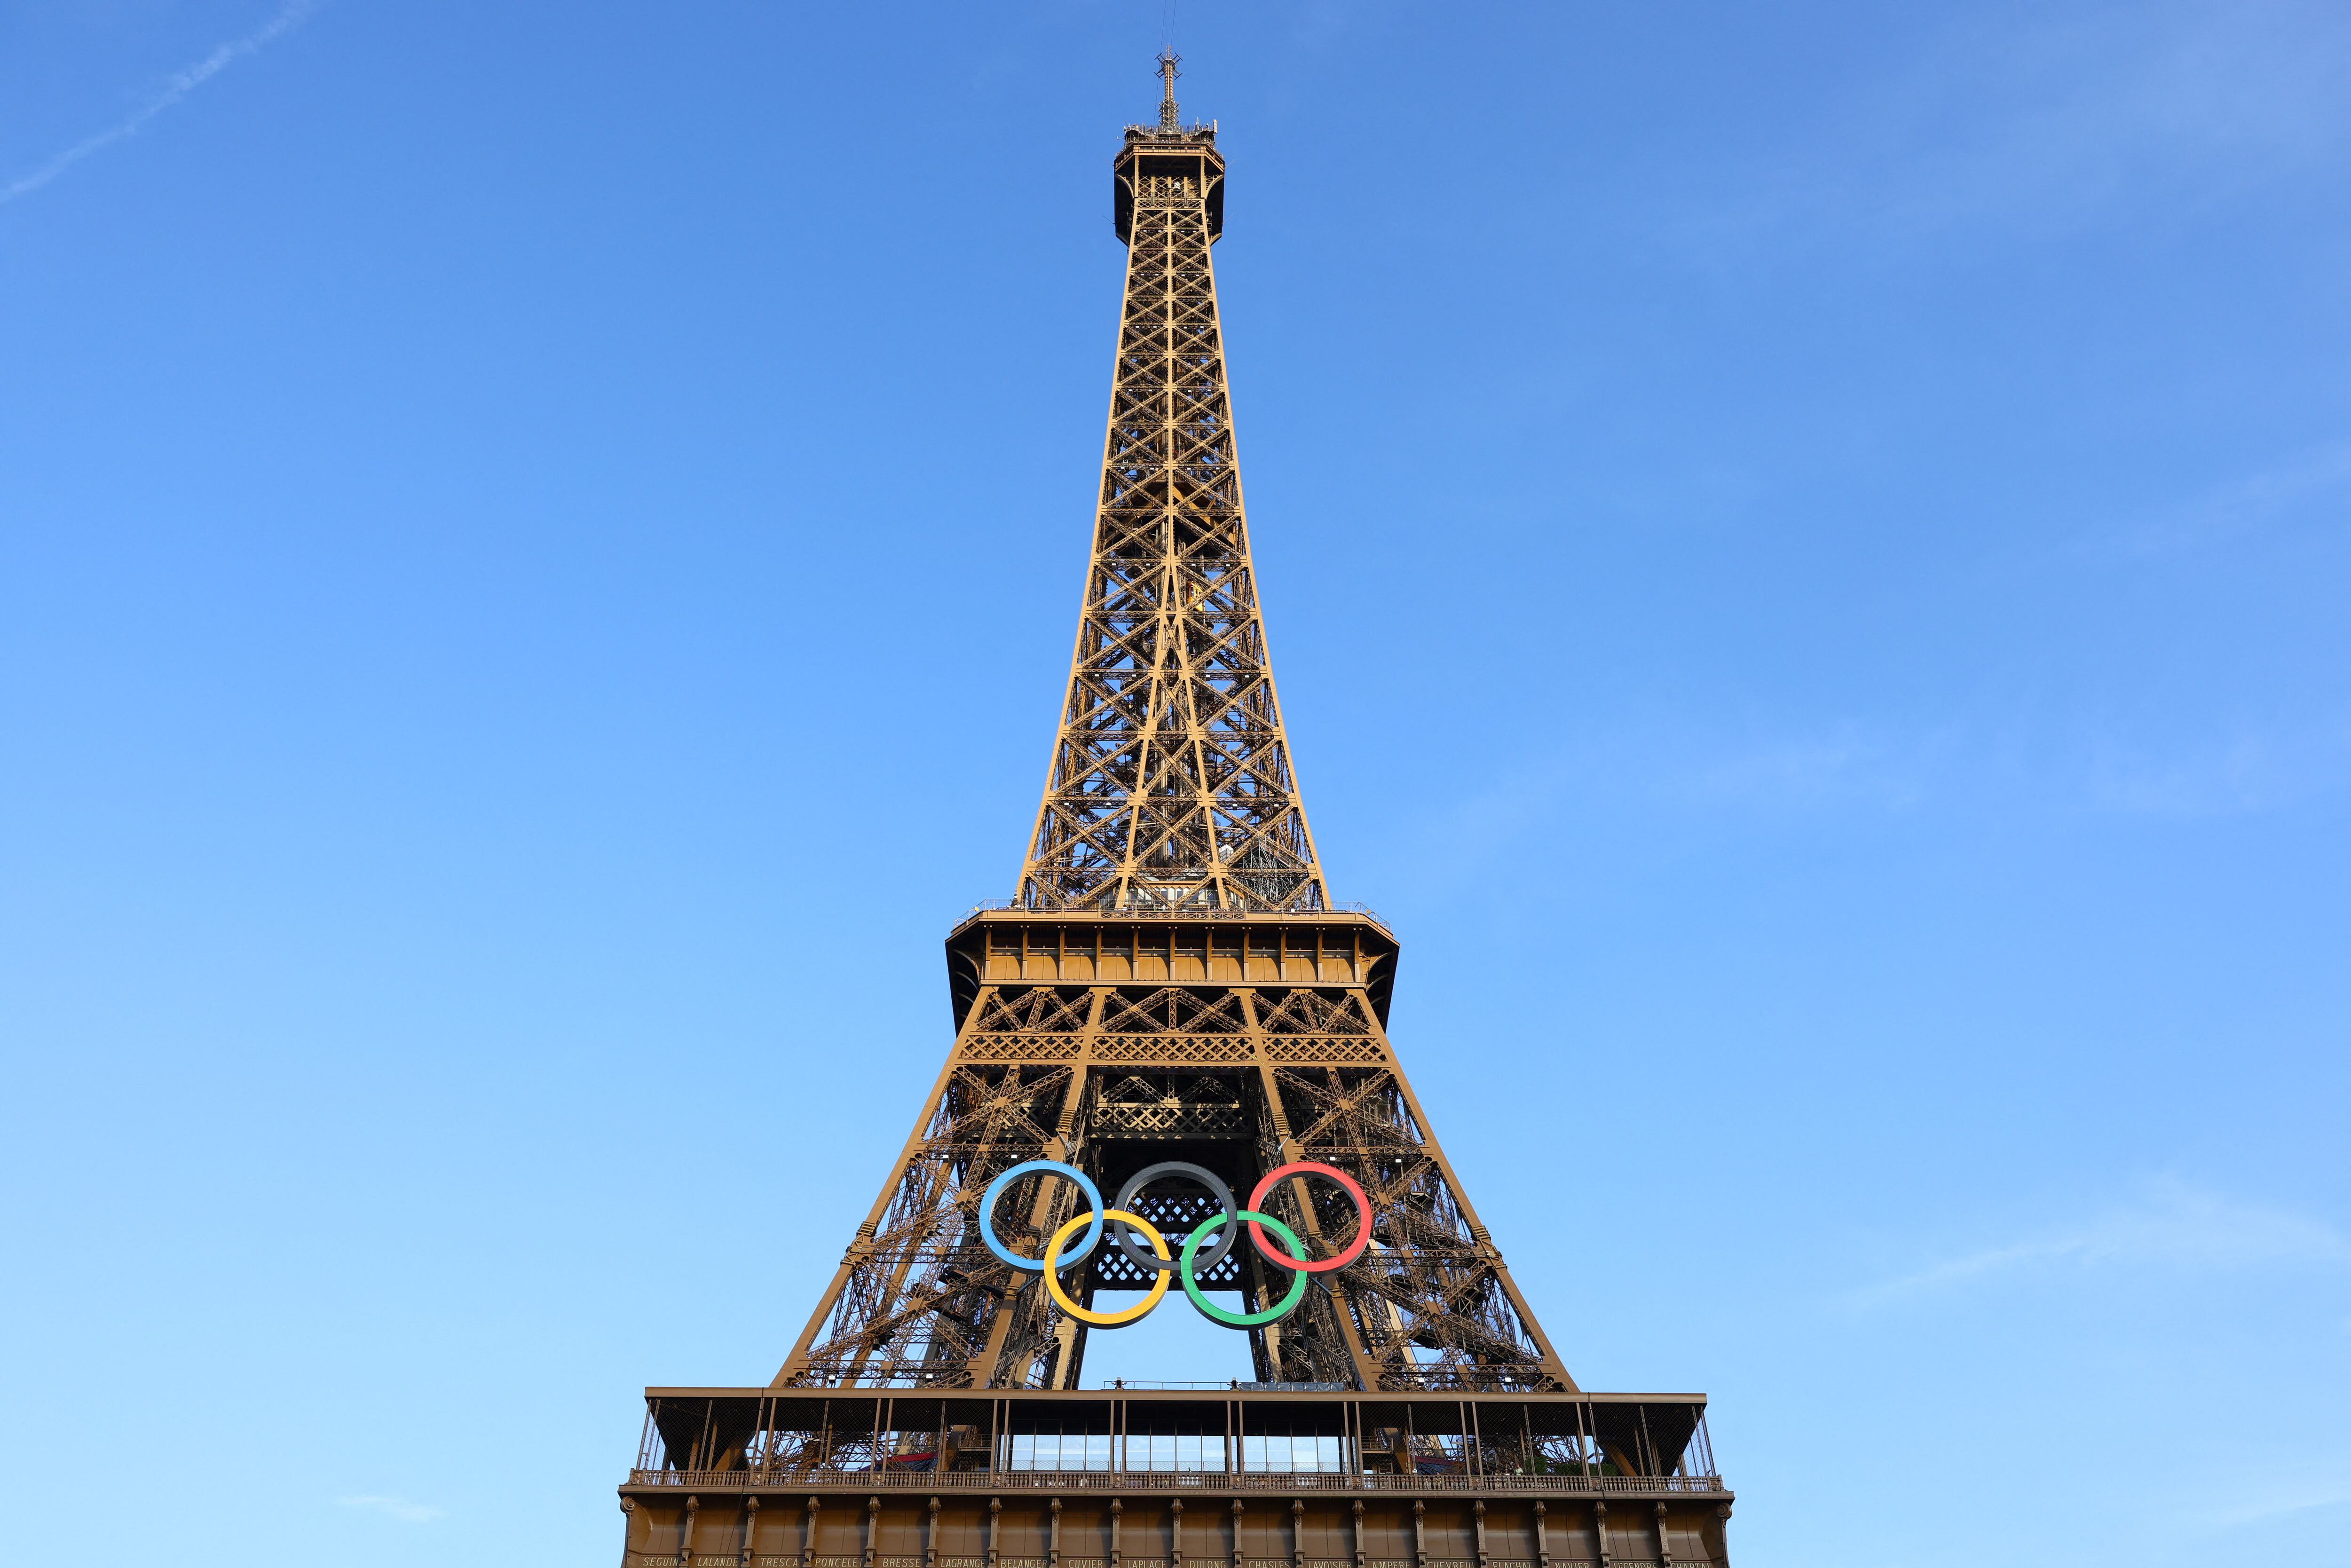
{"x":1172,"y":986}
{"x":1254,"y":1037}
{"x":1171,"y":782}
{"x":1099,"y":1063}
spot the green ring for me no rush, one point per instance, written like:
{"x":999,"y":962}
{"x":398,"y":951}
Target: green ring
{"x":1281,"y":1309}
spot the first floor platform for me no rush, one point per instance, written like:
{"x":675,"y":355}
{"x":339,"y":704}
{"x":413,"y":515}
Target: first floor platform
{"x":1134,"y":1477}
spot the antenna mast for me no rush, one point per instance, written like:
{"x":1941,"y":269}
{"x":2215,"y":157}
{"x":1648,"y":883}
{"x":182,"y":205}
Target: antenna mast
{"x":1168,"y":123}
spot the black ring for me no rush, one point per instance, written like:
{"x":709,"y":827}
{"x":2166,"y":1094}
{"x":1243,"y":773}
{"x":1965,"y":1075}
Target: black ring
{"x":1130,"y":1244}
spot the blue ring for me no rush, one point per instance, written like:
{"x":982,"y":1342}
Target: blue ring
{"x":1055,"y":1167}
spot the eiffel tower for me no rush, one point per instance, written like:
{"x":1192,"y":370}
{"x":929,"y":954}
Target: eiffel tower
{"x":1172,"y":1008}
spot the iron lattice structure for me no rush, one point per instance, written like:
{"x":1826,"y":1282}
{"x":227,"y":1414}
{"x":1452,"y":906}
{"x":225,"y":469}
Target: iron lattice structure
{"x":1172,"y":984}
{"x":1172,"y":975}
{"x":1171,"y":784}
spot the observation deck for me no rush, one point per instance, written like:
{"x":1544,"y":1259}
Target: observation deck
{"x":1118,"y":1478}
{"x":1171,"y":945}
{"x":1169,"y":165}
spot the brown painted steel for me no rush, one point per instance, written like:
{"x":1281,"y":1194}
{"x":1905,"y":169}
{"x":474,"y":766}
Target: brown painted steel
{"x":1171,"y":782}
{"x":1171,"y":981}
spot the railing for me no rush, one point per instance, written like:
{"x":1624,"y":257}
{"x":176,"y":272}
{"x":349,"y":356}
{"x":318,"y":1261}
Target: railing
{"x":1170,"y":1480}
{"x":1128,"y":1384}
{"x":1177,"y":912}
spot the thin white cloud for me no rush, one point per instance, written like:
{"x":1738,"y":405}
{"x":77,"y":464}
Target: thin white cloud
{"x":2320,"y":478}
{"x":2293,"y":1488}
{"x":2112,"y":102}
{"x":398,"y":1508}
{"x":1846,"y":764}
{"x":2254,"y":767}
{"x":176,"y":87}
{"x":2178,"y":1227}
{"x":2056,"y":120}
{"x":1695,"y":769}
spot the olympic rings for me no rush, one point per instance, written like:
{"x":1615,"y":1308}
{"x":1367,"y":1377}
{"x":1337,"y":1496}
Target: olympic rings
{"x":1206,"y":1177}
{"x":996,"y":1192}
{"x":1273,"y":1314}
{"x":1362,"y":1219}
{"x":1110,"y":1320}
{"x":1126,"y":1226}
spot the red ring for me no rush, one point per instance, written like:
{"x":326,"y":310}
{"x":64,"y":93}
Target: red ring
{"x":1363,"y":1217}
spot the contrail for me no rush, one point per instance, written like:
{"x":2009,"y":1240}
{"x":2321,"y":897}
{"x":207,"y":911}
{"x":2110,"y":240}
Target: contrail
{"x":177,"y":86}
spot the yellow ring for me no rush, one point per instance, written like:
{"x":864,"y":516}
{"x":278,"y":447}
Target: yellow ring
{"x":1062,"y":1297}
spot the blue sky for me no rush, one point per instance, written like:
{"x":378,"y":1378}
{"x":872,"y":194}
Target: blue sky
{"x":1806,"y":549}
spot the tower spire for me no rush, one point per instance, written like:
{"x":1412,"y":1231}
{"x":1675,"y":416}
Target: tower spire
{"x":1168,"y":123}
{"x":1171,"y":784}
